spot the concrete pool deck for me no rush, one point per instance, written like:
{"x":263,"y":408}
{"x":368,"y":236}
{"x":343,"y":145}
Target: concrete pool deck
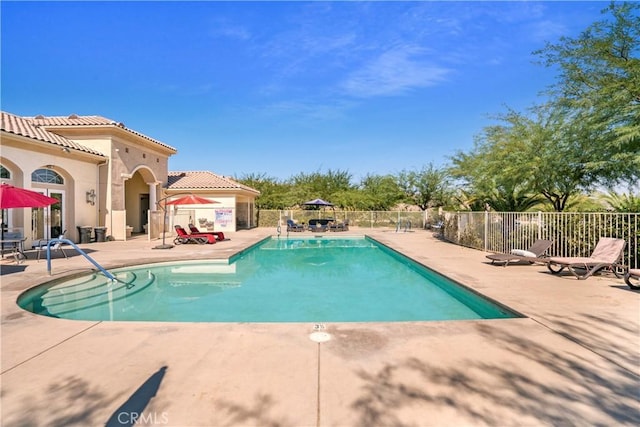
{"x":573,"y":360}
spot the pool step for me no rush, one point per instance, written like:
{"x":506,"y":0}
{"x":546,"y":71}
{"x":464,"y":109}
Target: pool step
{"x":89,"y":293}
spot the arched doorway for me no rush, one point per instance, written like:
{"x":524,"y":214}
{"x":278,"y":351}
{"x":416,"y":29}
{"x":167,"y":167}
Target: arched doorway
{"x":140,"y":196}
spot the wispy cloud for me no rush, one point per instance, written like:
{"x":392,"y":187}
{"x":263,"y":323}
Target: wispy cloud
{"x":221,"y":28}
{"x":353,"y":50}
{"x":310,"y":110}
{"x":394,"y":72}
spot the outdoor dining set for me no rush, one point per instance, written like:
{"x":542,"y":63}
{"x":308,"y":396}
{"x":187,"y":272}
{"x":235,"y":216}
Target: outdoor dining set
{"x":318,"y":225}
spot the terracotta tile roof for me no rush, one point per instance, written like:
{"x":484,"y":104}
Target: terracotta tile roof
{"x":90,"y":121}
{"x":204,"y":180}
{"x":26,"y":127}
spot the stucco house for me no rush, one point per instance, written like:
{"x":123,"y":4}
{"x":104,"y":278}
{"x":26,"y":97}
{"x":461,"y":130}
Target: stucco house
{"x":105,"y":174}
{"x":234,"y":203}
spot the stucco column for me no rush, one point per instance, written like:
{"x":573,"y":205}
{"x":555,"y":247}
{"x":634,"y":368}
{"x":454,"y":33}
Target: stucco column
{"x":153,"y":196}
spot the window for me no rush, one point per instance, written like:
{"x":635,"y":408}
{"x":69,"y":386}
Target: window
{"x":47,"y":176}
{"x":4,"y":173}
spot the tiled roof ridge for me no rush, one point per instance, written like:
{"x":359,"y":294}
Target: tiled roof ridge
{"x":75,"y":120}
{"x":203,"y":180}
{"x":194,"y":171}
{"x":24,"y":126}
{"x":204,"y":172}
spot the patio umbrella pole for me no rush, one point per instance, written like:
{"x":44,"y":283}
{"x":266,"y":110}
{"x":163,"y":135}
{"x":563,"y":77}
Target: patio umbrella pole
{"x":188,"y":199}
{"x":164,"y":228}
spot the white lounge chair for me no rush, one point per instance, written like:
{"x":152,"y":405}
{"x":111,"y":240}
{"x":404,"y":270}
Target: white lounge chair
{"x":606,"y":254}
{"x":536,"y":253}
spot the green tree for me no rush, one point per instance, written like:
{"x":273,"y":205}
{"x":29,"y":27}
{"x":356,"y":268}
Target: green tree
{"x":554,"y":154}
{"x":426,"y":188}
{"x":327,"y":186}
{"x":273,"y":193}
{"x":380,"y":192}
{"x":498,"y":171}
{"x":522,"y":157}
{"x":466,"y":200}
{"x":599,"y":83}
{"x":625,"y":202}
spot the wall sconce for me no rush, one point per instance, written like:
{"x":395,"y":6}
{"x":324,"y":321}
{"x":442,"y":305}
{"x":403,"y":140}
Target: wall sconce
{"x":91,"y":197}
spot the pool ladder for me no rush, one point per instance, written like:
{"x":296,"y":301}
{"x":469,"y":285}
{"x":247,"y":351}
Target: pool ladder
{"x":80,"y":251}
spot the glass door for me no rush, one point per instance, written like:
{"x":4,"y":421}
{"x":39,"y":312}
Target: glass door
{"x":48,"y":222}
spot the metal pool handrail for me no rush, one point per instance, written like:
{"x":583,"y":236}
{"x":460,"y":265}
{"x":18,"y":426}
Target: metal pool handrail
{"x":80,"y":251}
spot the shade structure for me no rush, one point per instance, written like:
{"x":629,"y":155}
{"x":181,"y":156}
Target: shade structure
{"x":16,"y":197}
{"x":191,"y":199}
{"x":318,"y":203}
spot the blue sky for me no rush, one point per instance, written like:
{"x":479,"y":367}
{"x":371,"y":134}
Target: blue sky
{"x":280,"y":88}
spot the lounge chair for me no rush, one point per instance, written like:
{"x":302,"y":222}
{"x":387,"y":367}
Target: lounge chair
{"x":41,"y":245}
{"x":536,"y":253}
{"x":632,"y":274}
{"x":293,"y":226}
{"x":184,"y":237}
{"x":219,"y":235}
{"x":606,"y":254}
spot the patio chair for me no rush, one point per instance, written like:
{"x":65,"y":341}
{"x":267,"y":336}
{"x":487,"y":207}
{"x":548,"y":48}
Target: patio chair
{"x":219,"y":235}
{"x":606,"y":254}
{"x":318,"y":225}
{"x":41,"y":245}
{"x":438,"y":229}
{"x":340,"y":226}
{"x":184,"y":237}
{"x":293,"y":226}
{"x":536,"y":253}
{"x":631,"y":275}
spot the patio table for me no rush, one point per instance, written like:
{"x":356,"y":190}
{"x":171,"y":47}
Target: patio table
{"x":16,"y":246}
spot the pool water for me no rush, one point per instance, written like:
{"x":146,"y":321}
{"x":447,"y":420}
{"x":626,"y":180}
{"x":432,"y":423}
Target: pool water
{"x":278,"y":280}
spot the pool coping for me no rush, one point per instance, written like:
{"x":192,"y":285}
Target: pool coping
{"x":574,"y":359}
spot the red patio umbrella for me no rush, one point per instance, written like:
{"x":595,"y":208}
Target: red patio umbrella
{"x":191,"y":199}
{"x":15,"y":197}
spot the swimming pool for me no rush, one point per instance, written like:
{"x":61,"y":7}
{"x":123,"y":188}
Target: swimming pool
{"x":278,"y":280}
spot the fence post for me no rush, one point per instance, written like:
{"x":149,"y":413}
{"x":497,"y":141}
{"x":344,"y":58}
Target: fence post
{"x":486,"y":230}
{"x":539,"y":225}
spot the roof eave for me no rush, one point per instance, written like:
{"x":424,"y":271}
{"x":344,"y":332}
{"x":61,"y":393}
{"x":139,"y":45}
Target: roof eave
{"x":51,"y":145}
{"x":115,"y":128}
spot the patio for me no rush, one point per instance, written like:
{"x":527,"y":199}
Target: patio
{"x":574,"y":359}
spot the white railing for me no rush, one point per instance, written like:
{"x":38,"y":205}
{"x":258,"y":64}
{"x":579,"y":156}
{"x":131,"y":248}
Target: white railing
{"x":573,"y":234}
{"x":365,"y":219}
